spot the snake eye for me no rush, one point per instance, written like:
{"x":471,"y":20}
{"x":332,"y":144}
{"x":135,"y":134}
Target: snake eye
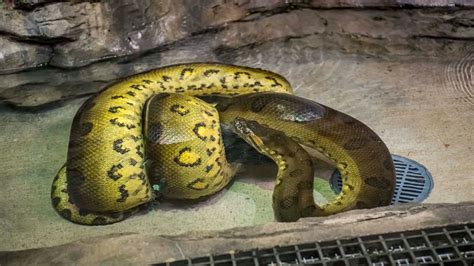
{"x":243,"y":129}
{"x":238,"y":124}
{"x":253,"y":124}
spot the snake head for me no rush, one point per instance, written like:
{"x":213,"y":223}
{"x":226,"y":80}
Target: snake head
{"x":241,"y":126}
{"x":250,"y":131}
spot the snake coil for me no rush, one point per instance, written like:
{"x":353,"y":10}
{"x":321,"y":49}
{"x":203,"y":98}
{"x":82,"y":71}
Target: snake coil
{"x":107,"y":175}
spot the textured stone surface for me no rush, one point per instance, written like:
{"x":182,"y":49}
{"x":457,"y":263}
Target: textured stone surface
{"x":67,"y":43}
{"x":14,"y":57}
{"x":390,"y":3}
{"x":132,"y":249}
{"x":49,"y":24}
{"x":299,"y":23}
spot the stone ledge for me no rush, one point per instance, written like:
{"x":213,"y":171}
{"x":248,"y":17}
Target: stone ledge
{"x":126,"y":248}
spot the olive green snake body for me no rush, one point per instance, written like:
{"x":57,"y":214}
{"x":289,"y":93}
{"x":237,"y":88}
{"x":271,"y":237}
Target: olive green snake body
{"x":147,"y":129}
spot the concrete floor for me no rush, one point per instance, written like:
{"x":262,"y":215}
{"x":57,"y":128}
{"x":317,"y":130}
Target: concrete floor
{"x":423,"y":108}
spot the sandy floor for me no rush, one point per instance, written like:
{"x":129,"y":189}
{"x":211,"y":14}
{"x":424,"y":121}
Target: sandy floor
{"x":423,"y":108}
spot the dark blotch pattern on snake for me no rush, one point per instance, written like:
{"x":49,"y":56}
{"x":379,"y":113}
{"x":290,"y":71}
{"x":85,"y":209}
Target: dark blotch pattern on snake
{"x":111,"y":167}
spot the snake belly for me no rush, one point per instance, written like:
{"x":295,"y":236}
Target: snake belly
{"x":104,"y":179}
{"x":274,"y":122}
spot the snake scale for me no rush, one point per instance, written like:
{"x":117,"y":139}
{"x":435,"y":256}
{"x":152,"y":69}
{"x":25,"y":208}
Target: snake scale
{"x":148,"y":129}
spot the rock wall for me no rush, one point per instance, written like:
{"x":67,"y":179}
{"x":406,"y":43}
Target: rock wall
{"x":55,"y":50}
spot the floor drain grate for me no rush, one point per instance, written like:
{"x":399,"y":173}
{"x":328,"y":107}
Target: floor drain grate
{"x":414,"y":182}
{"x":451,"y":245}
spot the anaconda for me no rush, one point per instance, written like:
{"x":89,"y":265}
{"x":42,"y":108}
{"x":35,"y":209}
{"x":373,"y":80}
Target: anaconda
{"x":105,"y":179}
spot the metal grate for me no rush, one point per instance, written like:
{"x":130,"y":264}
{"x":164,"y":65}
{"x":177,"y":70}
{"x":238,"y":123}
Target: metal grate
{"x":414,"y":182}
{"x":453,"y":245}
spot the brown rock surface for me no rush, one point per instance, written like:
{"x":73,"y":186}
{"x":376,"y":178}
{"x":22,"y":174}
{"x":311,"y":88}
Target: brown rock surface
{"x":64,"y":39}
{"x":14,"y":57}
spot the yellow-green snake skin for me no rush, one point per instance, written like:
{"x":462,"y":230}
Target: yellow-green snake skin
{"x":147,"y":129}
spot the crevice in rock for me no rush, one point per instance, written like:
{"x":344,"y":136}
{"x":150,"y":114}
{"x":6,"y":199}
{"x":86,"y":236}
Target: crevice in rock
{"x":14,"y":107}
{"x":443,"y":38}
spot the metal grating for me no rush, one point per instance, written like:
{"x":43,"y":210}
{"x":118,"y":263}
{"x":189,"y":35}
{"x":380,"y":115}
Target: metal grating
{"x":452,"y":245}
{"x":414,"y":182}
